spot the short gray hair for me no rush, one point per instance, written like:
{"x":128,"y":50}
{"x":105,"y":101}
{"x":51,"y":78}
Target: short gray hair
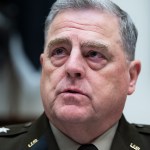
{"x":127,"y":29}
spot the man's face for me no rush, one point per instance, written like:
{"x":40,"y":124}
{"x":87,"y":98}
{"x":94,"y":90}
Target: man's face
{"x":85,"y":74}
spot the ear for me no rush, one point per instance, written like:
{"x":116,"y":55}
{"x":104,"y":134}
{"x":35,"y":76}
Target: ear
{"x":41,"y":59}
{"x":134,"y":71}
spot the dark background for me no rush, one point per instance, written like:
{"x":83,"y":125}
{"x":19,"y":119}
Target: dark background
{"x":26,"y":17}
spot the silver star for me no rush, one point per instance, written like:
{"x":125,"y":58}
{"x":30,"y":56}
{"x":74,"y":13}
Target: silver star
{"x":3,"y":129}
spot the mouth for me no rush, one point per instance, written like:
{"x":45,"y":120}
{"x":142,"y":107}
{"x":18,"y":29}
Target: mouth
{"x":73,"y":91}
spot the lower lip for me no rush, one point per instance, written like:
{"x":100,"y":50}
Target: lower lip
{"x":74,"y":98}
{"x":75,"y":95}
{"x":68,"y":93}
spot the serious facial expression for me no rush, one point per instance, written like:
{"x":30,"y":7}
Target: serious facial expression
{"x":85,"y":74}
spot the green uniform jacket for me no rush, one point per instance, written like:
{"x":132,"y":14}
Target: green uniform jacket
{"x":38,"y":136}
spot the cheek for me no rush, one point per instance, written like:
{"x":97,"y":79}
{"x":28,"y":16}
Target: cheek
{"x":110,"y":86}
{"x":48,"y":86}
{"x":50,"y":78}
{"x":49,"y":74}
{"x":117,"y":75}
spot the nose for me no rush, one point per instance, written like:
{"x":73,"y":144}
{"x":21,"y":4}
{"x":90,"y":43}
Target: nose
{"x":75,"y":65}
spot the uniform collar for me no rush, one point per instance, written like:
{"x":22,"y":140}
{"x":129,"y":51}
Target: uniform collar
{"x":39,"y":135}
{"x":127,"y":137}
{"x":103,"y":142}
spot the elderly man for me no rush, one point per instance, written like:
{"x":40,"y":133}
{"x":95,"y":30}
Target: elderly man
{"x":88,"y":69}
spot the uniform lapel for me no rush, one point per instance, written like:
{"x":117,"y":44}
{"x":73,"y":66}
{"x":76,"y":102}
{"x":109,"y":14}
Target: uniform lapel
{"x":127,"y":137}
{"x":39,"y":136}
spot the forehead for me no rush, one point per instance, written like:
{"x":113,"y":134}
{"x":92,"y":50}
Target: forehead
{"x":86,"y":17}
{"x":87,"y":21}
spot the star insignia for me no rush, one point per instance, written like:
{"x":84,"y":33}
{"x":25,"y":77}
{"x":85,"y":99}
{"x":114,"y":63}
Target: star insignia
{"x":3,"y":129}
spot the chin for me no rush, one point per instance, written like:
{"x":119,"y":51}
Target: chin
{"x":72,"y":114}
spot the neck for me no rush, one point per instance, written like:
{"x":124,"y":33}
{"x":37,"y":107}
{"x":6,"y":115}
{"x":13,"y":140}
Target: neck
{"x":83,"y":134}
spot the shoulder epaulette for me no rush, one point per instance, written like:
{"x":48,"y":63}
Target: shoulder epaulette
{"x":143,"y":128}
{"x":14,"y":129}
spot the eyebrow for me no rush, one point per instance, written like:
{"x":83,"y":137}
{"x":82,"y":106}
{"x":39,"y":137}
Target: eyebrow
{"x":58,"y":41}
{"x":94,"y":44}
{"x":103,"y":47}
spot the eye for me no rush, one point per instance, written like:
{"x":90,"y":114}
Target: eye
{"x":59,"y":52}
{"x":58,"y":56}
{"x":96,"y":59}
{"x":94,"y":55}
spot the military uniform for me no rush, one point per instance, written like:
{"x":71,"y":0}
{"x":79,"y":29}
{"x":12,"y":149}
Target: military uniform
{"x":38,"y":136}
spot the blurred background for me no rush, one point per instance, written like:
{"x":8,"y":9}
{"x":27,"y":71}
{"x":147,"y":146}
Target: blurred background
{"x":21,"y":43}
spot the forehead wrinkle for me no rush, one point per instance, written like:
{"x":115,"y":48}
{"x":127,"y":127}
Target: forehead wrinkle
{"x":69,"y":24}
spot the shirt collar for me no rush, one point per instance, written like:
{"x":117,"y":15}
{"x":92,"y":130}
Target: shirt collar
{"x":103,"y":142}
